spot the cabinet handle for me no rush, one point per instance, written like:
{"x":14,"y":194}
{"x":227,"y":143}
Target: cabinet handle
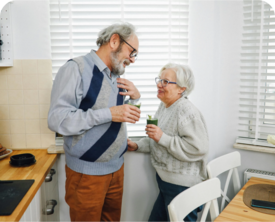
{"x":50,"y":204}
{"x":50,"y":175}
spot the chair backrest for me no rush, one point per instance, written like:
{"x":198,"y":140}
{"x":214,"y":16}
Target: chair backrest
{"x":228,"y":162}
{"x":190,"y":199}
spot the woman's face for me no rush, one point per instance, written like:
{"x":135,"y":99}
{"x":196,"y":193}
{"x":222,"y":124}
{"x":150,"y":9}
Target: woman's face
{"x":172,"y":92}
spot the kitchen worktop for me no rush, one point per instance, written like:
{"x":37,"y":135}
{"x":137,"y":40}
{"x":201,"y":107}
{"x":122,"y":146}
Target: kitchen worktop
{"x":37,"y":171}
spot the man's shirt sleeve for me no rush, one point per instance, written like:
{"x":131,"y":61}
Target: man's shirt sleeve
{"x":67,"y":93}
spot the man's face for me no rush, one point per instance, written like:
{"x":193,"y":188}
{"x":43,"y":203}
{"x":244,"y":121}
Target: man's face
{"x":121,"y":58}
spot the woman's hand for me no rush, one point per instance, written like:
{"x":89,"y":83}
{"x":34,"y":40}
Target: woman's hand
{"x":131,"y":145}
{"x":153,"y":132}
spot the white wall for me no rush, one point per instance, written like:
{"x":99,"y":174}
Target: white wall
{"x":31,"y":30}
{"x":215,"y":38}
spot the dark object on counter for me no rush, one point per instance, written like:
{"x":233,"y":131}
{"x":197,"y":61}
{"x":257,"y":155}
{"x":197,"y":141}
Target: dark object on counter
{"x":11,"y":193}
{"x":263,"y":204}
{"x":24,"y":159}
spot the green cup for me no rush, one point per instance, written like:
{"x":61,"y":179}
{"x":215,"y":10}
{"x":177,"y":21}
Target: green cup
{"x":152,"y":121}
{"x":137,"y":105}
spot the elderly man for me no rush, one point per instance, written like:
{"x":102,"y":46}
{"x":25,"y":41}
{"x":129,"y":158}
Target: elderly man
{"x":88,"y":109}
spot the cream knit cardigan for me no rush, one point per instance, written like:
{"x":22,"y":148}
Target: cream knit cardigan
{"x":180,"y":155}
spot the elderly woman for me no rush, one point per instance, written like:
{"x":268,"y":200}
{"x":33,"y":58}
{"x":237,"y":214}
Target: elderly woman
{"x":179,"y":144}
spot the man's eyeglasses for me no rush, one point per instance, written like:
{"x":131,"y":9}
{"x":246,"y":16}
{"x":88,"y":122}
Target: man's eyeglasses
{"x":163,"y":82}
{"x":134,"y":52}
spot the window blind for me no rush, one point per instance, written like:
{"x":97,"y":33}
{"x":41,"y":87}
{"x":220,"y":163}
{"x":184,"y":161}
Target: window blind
{"x":257,"y":87}
{"x":161,"y":25}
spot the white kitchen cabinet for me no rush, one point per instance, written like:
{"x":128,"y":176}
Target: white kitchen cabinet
{"x":42,"y":201}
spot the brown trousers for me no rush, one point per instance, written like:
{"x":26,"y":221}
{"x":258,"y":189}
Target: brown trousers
{"x":94,"y":198}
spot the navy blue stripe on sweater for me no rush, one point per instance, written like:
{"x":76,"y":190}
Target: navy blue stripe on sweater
{"x":124,"y":151}
{"x":106,"y":140}
{"x":92,"y":94}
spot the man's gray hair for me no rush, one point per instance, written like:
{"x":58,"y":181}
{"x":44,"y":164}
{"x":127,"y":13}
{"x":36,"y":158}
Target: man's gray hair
{"x":184,"y":74}
{"x":124,"y":30}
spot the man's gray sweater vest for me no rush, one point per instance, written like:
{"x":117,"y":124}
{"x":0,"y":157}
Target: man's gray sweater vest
{"x":99,"y":150}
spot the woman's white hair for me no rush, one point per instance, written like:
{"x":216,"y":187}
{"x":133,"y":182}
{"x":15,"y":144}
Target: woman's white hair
{"x":124,"y":30}
{"x":184,"y":74}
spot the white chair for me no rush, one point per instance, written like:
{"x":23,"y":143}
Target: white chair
{"x":224,"y":163}
{"x":190,"y":199}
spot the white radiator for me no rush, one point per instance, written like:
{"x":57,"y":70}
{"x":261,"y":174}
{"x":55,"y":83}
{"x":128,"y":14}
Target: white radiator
{"x":258,"y":173}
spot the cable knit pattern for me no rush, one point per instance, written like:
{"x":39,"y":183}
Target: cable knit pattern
{"x":180,"y":155}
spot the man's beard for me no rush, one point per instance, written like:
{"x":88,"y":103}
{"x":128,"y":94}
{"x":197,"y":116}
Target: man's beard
{"x":118,"y":68}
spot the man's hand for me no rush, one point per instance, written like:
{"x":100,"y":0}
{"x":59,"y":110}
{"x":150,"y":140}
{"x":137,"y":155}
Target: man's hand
{"x":153,"y":132}
{"x":132,"y":146}
{"x":125,"y":113}
{"x":132,"y":91}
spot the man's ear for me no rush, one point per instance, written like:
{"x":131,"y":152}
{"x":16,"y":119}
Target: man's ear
{"x":114,"y":42}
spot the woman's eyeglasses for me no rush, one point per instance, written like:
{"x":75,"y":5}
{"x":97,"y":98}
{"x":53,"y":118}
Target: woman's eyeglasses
{"x":163,"y":82}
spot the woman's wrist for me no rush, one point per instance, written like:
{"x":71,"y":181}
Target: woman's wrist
{"x":136,"y":147}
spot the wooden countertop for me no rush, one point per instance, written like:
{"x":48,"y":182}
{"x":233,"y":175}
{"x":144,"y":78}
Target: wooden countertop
{"x":37,"y":171}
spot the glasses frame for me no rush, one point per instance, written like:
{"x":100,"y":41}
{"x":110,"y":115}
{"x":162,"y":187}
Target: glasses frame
{"x":157,"y":80}
{"x":134,"y":50}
